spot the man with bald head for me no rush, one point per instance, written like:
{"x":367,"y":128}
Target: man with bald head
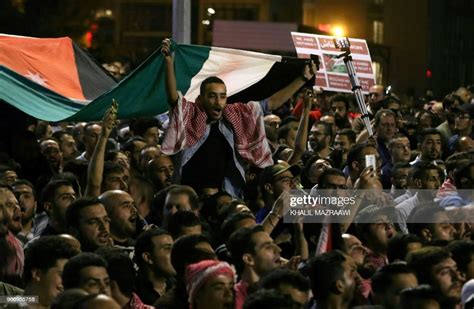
{"x":376,"y":95}
{"x":160,"y":171}
{"x":272,"y":121}
{"x":463,"y":144}
{"x":123,"y":216}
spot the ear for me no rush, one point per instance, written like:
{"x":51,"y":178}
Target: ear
{"x":147,"y":258}
{"x":35,"y":275}
{"x":338,"y":287}
{"x":114,"y":287}
{"x":426,"y":234}
{"x":417,"y":183}
{"x":268,"y":187}
{"x":248,"y":259}
{"x":355,"y":165}
{"x":48,"y":207}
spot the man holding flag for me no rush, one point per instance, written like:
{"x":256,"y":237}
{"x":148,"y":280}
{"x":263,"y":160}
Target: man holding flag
{"x":213,"y":142}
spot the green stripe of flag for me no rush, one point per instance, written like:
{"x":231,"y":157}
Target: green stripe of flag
{"x":142,"y":93}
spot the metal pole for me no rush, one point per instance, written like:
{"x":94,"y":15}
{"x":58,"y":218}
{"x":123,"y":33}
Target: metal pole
{"x":344,"y":45}
{"x":182,"y":21}
{"x":356,"y":88}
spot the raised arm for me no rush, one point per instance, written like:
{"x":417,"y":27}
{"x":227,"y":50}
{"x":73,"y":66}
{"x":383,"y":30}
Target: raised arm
{"x":302,"y":132}
{"x":171,"y":88}
{"x":281,"y":96}
{"x":96,"y":163}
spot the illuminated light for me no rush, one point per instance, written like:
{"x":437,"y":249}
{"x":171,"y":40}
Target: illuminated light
{"x":429,"y":74}
{"x":108,"y":12}
{"x":324,"y":27}
{"x":89,"y":37}
{"x":211,"y":11}
{"x":338,"y":31}
{"x":206,"y":22}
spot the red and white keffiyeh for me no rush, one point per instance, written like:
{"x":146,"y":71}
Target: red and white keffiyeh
{"x":188,"y":124}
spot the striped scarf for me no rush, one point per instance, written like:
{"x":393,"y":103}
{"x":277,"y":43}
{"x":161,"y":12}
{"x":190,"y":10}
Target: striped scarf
{"x":188,"y":123}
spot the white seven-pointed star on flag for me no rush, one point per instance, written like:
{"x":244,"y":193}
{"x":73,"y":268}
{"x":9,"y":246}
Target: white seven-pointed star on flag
{"x":36,"y":78}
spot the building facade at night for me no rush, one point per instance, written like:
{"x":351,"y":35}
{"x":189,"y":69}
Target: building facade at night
{"x":414,"y":45}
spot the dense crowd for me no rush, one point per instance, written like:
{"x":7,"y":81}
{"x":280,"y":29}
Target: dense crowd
{"x":186,"y":210}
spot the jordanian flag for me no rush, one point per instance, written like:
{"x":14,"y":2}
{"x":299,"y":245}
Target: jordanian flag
{"x":248,"y":76}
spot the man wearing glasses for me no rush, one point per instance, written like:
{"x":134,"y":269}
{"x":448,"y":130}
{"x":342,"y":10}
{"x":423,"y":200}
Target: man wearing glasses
{"x":463,"y":123}
{"x":274,"y":180}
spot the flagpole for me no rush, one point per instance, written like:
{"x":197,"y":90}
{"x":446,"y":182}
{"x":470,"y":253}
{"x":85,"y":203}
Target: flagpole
{"x":182,"y":21}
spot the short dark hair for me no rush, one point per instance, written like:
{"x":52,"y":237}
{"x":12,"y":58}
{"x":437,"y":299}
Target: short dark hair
{"x":112,"y":167}
{"x":355,"y":152}
{"x":281,"y":276}
{"x":72,"y":268}
{"x":120,"y":268}
{"x":398,"y":246}
{"x":395,"y":137}
{"x":419,"y":171}
{"x":428,"y":131}
{"x":424,"y":259}
{"x":209,"y":205}
{"x":141,"y":125}
{"x":209,"y":80}
{"x":462,"y":252}
{"x":398,"y":166}
{"x":410,"y":298}
{"x":423,"y":217}
{"x":268,"y":299}
{"x":144,"y":243}
{"x":383,"y":278}
{"x":72,"y":178}
{"x":44,"y":252}
{"x":25,"y":182}
{"x":450,"y":99}
{"x":230,"y":224}
{"x":240,"y":243}
{"x":182,"y":219}
{"x":351,"y":135}
{"x":340,"y":98}
{"x":324,"y":271}
{"x":460,"y":173}
{"x":184,"y":252}
{"x":326,"y":173}
{"x":74,"y":210}
{"x":49,"y":191}
{"x":187,"y":190}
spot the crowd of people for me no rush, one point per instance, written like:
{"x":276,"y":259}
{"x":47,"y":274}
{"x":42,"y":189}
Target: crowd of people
{"x":187,"y":211}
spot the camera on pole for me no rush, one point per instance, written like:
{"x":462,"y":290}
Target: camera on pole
{"x":345,"y":46}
